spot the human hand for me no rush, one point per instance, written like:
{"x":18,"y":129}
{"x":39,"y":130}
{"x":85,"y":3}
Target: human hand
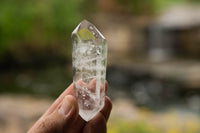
{"x":62,"y":116}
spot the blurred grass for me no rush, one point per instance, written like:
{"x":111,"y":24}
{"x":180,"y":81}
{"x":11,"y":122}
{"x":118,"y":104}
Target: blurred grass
{"x":128,"y":118}
{"x":131,"y":127}
{"x":37,"y":26}
{"x":143,"y":126}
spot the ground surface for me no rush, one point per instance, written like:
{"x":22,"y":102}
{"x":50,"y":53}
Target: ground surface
{"x":18,"y":113}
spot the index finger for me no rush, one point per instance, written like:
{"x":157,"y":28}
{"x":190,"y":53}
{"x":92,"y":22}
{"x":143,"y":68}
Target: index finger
{"x":68,"y":91}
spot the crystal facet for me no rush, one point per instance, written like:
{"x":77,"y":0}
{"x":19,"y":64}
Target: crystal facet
{"x":89,"y":57}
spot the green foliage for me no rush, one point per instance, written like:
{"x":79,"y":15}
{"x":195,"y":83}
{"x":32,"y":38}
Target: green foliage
{"x":117,"y":125}
{"x":37,"y":24}
{"x":131,"y":127}
{"x":160,"y":4}
{"x":139,"y":7}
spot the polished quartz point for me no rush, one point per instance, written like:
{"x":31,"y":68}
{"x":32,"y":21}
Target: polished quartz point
{"x":89,"y":58}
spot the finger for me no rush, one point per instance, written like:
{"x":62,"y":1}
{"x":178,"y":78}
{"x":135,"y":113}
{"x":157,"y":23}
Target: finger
{"x":98,"y":123}
{"x":102,"y":117}
{"x":107,"y":108}
{"x":78,"y":125}
{"x":60,"y":120}
{"x":106,"y":85}
{"x":92,"y":85}
{"x":68,"y":91}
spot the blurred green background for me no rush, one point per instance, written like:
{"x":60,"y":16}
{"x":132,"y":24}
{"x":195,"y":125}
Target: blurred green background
{"x":153,"y":61}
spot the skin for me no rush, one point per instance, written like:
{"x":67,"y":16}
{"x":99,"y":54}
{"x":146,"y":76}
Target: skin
{"x":62,"y":116}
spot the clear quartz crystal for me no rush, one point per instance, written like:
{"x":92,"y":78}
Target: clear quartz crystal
{"x":89,"y":57}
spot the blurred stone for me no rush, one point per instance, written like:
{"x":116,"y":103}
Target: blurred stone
{"x":180,"y":16}
{"x":175,"y":32}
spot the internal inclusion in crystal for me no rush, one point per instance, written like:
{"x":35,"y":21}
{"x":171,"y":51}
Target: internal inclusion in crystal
{"x":89,"y":59}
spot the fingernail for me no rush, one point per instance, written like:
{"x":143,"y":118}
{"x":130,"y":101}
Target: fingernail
{"x":66,"y":106}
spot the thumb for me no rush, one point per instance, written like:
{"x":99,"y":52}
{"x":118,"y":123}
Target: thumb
{"x":61,"y":119}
